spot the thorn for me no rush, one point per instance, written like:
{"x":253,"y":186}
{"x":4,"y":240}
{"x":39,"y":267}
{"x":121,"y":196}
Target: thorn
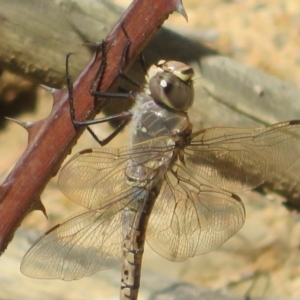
{"x":181,"y":10}
{"x":38,"y":205}
{"x":25,"y":125}
{"x":49,"y":89}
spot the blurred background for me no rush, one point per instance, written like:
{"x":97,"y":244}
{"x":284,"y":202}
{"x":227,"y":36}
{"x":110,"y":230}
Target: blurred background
{"x":262,"y":260}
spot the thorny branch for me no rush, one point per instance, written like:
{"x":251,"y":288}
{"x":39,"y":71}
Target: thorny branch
{"x":51,"y":139}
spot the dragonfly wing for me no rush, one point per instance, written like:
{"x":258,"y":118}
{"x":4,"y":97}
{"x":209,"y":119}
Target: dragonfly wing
{"x":238,"y":159}
{"x":85,"y":244}
{"x":93,"y":241}
{"x":81,"y":246}
{"x":190,"y":218}
{"x":94,"y":177}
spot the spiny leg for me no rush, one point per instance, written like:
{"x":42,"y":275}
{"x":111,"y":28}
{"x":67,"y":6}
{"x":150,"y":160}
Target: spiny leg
{"x":124,"y":116}
{"x":97,"y":82}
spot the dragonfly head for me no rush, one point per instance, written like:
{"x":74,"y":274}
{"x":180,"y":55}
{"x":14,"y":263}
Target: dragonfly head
{"x":170,"y":83}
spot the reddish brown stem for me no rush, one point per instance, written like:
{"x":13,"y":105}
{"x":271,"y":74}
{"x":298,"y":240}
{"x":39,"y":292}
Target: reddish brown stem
{"x":51,"y":139}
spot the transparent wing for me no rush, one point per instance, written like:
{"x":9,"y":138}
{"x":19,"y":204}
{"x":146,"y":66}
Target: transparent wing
{"x":92,"y":241}
{"x":92,"y":178}
{"x":85,"y":244}
{"x":81,"y":246}
{"x":190,"y":218}
{"x":238,"y":159}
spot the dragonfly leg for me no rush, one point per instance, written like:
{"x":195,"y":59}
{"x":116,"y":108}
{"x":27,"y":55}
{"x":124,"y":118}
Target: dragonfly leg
{"x":95,"y":86}
{"x":95,"y":91}
{"x":123,"y":59}
{"x":124,"y":116}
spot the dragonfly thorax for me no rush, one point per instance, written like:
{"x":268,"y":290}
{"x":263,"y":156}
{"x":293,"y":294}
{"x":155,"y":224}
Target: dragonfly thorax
{"x":151,"y":120}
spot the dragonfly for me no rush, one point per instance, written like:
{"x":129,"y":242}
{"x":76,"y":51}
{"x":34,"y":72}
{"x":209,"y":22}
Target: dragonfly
{"x":172,"y":186}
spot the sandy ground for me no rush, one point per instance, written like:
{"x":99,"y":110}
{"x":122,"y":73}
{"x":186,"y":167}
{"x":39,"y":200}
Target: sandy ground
{"x":263,"y":258}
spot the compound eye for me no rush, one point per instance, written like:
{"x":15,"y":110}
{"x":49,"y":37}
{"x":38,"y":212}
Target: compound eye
{"x":168,"y":89}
